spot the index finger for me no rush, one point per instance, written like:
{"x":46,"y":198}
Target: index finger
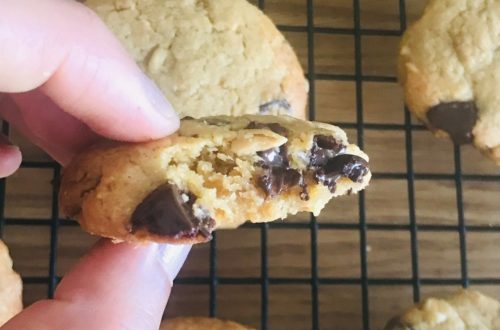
{"x":63,"y":49}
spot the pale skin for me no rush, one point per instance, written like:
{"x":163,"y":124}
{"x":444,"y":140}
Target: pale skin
{"x":66,"y":82}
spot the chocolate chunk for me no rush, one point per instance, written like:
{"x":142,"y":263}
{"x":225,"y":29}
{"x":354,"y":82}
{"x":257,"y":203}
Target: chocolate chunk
{"x":275,"y":127}
{"x":188,"y":118}
{"x":279,"y":179}
{"x":327,"y":164}
{"x":165,"y":213}
{"x":324,"y":148}
{"x":275,"y":160}
{"x":291,"y":178}
{"x":278,"y":176}
{"x":304,"y":193}
{"x":328,"y":142}
{"x":274,"y":157}
{"x":280,"y":104}
{"x":456,"y":118}
{"x":350,"y":166}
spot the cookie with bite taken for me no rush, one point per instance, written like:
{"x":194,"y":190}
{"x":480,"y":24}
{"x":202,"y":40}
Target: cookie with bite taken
{"x":215,"y":172}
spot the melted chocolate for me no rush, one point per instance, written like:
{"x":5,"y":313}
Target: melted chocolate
{"x":165,"y":213}
{"x":275,"y":127}
{"x":456,"y":118}
{"x":324,"y":147}
{"x":274,"y":157}
{"x":350,"y":166}
{"x":326,"y":165}
{"x":278,"y":176}
{"x":304,"y":193}
{"x":278,"y":179}
{"x":328,"y":142}
{"x":281,"y":104}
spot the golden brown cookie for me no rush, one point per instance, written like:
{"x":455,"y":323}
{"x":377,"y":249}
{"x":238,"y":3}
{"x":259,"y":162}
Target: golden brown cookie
{"x":11,"y":287}
{"x":450,"y":68}
{"x":465,"y":310}
{"x":210,"y":57}
{"x":216,"y":172}
{"x":201,"y":323}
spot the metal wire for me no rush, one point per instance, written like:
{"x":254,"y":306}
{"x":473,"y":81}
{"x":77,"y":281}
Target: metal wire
{"x":264,"y":229}
{"x":54,"y":228}
{"x":313,"y":224}
{"x":213,"y":277}
{"x":411,"y":182}
{"x":462,"y":230}
{"x":360,"y":133}
{"x":315,"y":281}
{"x":4,"y":130}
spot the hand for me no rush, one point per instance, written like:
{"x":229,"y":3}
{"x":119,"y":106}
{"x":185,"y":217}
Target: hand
{"x":64,"y":83}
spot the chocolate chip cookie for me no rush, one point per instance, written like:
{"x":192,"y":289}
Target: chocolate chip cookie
{"x":11,"y":287}
{"x":201,"y":323}
{"x":215,"y":172}
{"x":465,"y":310}
{"x":210,"y":57}
{"x":450,"y":69}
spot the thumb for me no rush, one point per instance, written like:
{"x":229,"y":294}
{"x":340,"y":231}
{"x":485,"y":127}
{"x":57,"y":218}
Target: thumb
{"x":115,"y":286}
{"x":10,"y":157}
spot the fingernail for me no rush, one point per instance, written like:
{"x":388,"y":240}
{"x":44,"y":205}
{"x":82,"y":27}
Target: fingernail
{"x":172,"y":258}
{"x":157,"y":100}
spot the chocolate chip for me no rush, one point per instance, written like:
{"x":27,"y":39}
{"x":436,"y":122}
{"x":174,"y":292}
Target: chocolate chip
{"x":291,"y":178}
{"x":275,"y":127}
{"x":188,"y":118}
{"x":279,"y":179}
{"x":304,"y":193}
{"x":165,"y":213}
{"x":456,"y":118}
{"x":328,"y":142}
{"x":324,"y":148}
{"x":278,"y":176}
{"x":274,"y":157}
{"x":350,"y":166}
{"x":326,"y":164}
{"x":280,"y":104}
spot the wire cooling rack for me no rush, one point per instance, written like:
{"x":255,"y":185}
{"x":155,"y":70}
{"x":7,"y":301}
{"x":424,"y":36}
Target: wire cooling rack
{"x":316,"y":283}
